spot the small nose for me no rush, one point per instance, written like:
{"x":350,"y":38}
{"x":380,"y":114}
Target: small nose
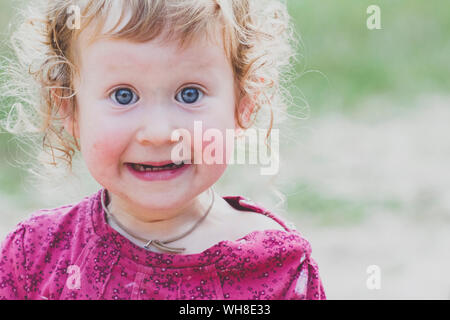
{"x":156,"y":126}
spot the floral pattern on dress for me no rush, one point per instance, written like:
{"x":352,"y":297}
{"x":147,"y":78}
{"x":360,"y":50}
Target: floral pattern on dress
{"x":71,"y":253}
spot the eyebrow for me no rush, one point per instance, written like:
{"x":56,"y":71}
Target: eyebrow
{"x":112,"y":65}
{"x":193,"y":68}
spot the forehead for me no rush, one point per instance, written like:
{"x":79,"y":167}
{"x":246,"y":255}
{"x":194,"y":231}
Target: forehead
{"x":110,"y":52}
{"x":165,"y":50}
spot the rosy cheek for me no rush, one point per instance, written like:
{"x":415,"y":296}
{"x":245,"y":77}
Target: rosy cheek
{"x":103,"y":148}
{"x":211,"y":146}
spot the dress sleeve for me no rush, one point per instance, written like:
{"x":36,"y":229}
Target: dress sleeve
{"x":306,"y":284}
{"x":12,"y":262}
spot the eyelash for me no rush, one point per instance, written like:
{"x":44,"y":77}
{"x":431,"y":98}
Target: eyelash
{"x":136,"y":98}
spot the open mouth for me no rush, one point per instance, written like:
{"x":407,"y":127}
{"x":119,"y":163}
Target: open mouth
{"x":149,"y":168}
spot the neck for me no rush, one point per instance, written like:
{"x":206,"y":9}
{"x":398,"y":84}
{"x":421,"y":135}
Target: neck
{"x":158,"y":224}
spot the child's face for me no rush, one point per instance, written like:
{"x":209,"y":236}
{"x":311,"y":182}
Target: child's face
{"x":132,"y":96}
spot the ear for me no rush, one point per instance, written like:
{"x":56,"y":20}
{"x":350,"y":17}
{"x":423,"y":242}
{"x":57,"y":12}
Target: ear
{"x":66,"y":113}
{"x":244,"y":111}
{"x":246,"y":107}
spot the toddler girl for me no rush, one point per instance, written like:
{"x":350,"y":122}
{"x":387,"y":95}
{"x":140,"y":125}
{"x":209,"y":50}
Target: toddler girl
{"x":116,"y":79}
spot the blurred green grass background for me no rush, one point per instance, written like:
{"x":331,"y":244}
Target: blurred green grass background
{"x":342,"y":66}
{"x":11,"y":177}
{"x":408,"y":56}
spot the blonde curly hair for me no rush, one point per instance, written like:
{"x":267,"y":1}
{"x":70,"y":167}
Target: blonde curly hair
{"x":259,"y":40}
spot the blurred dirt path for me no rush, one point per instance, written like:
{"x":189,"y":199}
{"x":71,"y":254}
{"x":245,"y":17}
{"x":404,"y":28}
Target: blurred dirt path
{"x":383,"y":157}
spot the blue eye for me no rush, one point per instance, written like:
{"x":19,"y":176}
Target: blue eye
{"x":189,"y":95}
{"x":124,"y":96}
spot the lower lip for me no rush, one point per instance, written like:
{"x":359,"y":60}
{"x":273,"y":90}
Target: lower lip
{"x":158,"y":175}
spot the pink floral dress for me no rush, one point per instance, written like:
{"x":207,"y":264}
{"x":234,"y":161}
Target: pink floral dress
{"x":71,"y":252}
